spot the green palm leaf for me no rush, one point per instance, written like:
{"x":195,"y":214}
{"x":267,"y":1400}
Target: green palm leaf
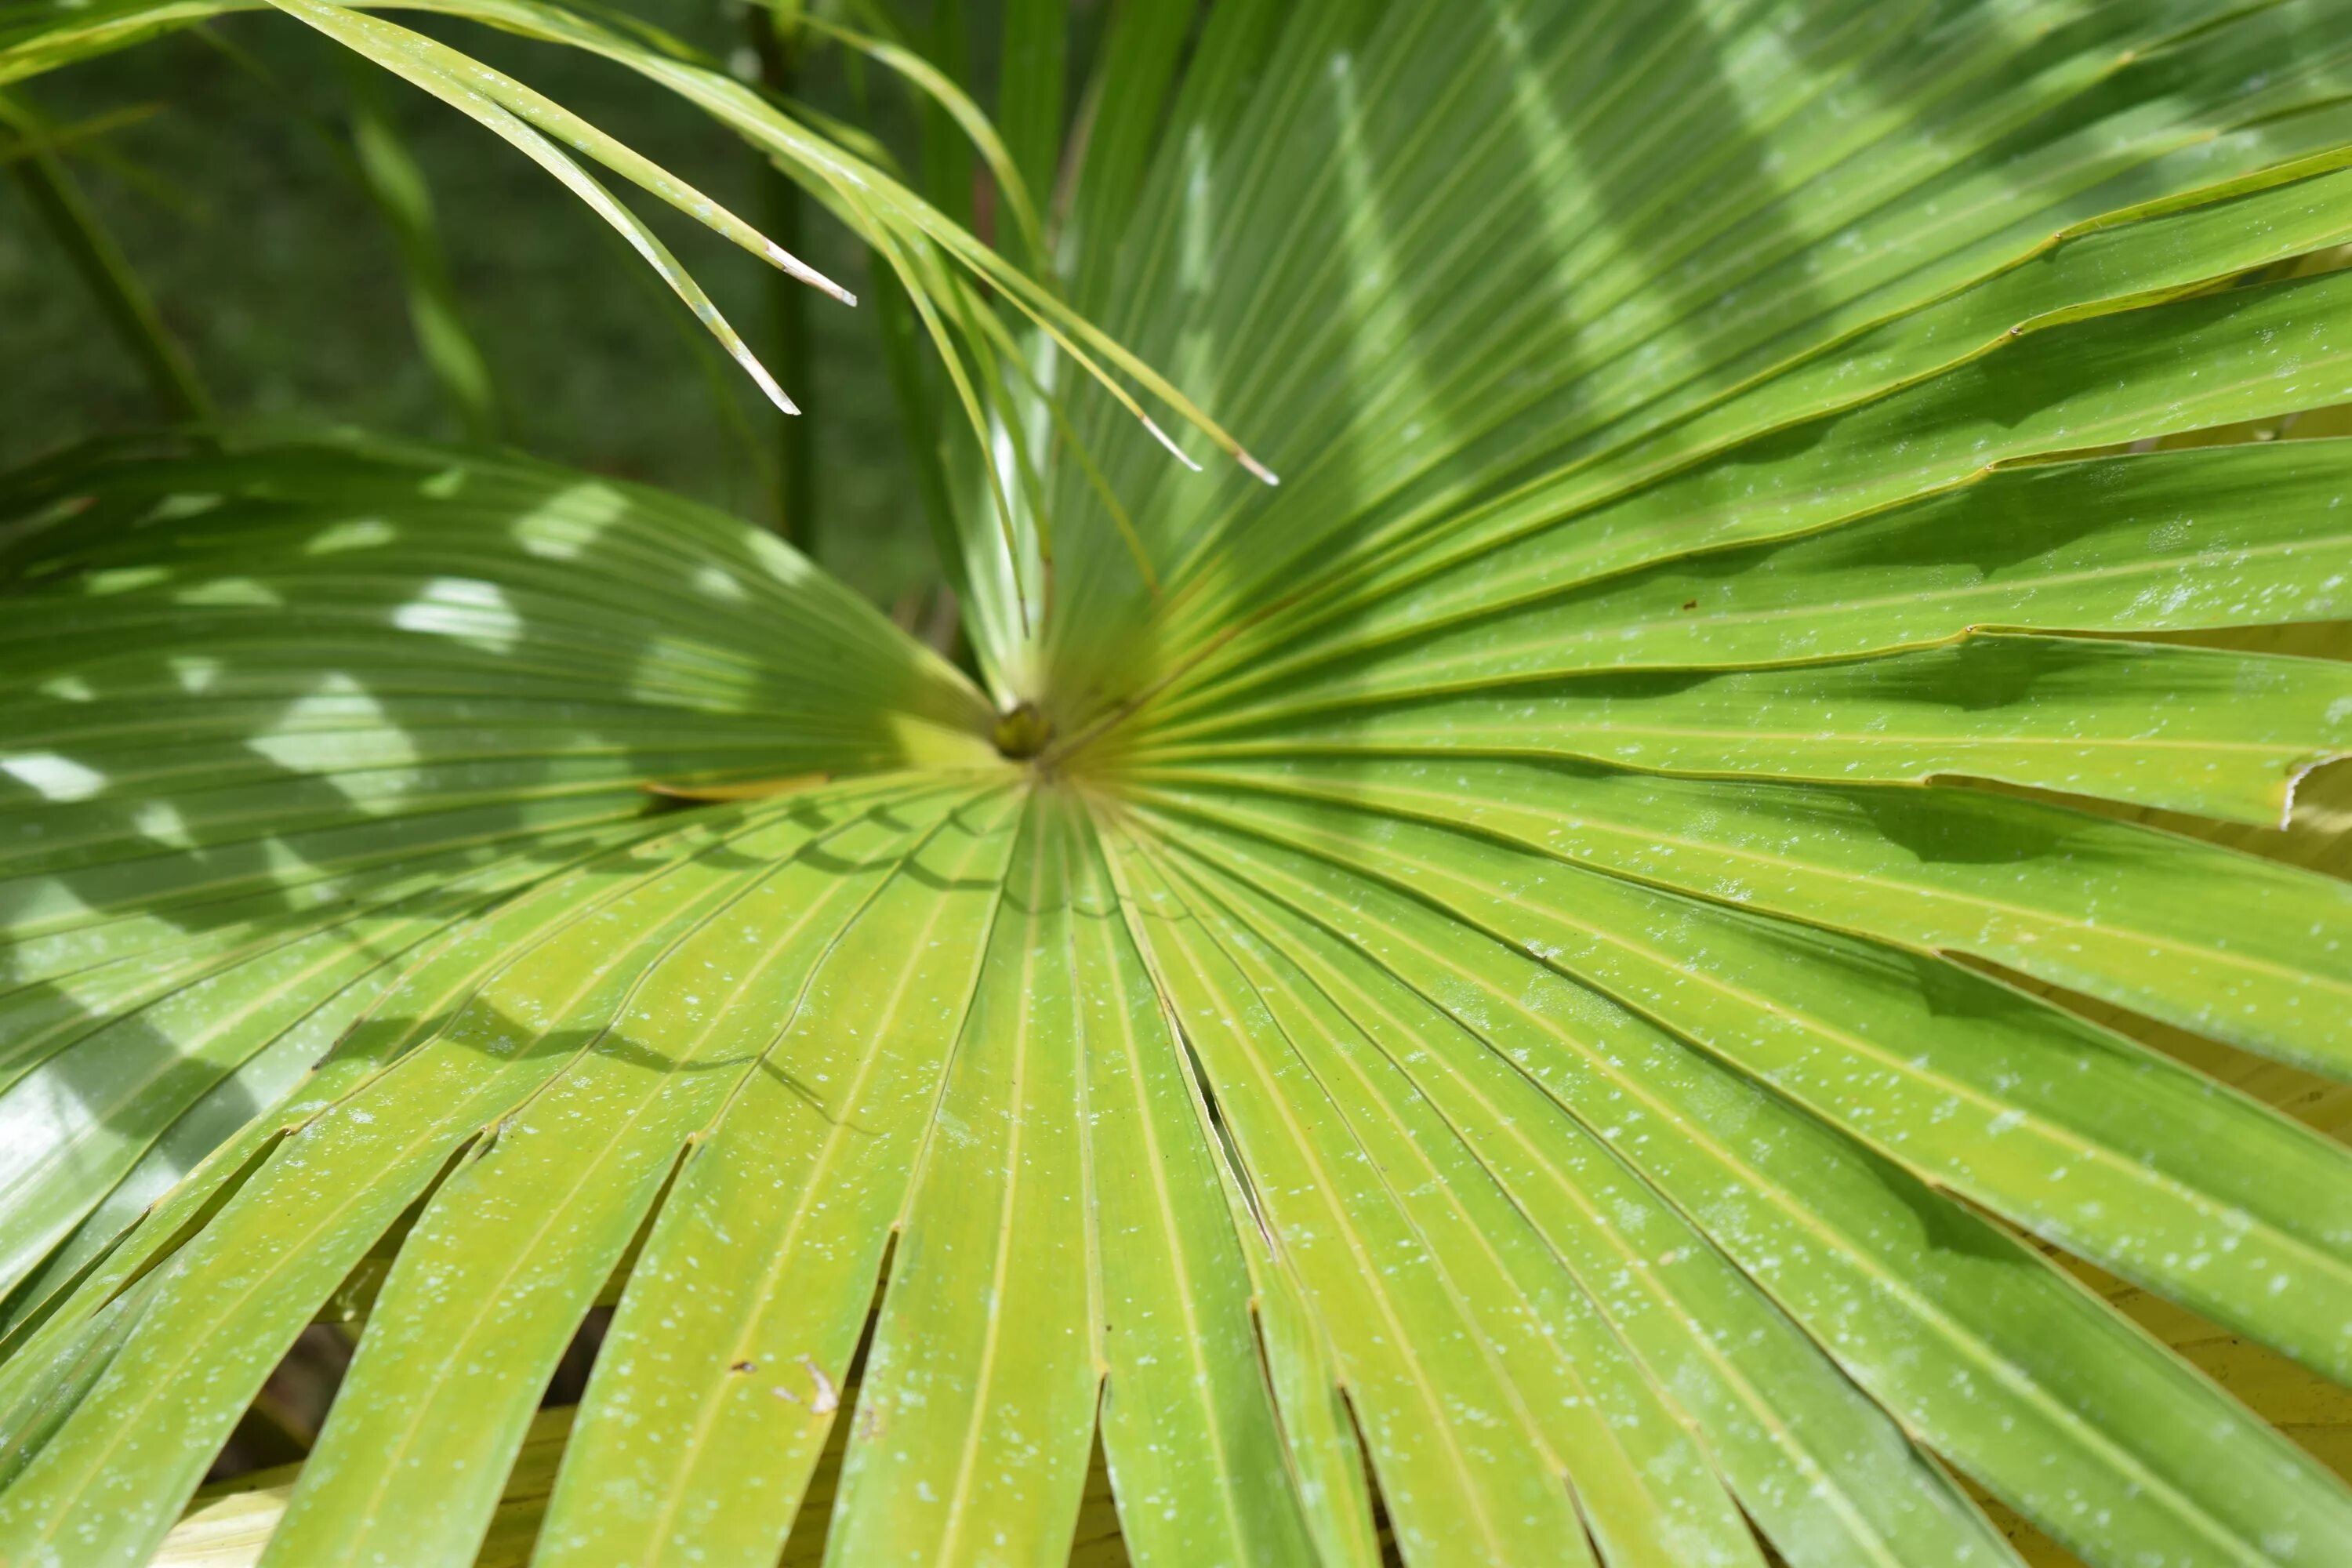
{"x":1585,"y":980}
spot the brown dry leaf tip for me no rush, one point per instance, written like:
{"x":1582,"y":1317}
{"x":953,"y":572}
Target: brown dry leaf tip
{"x":757,"y":789}
{"x":827,"y":1399}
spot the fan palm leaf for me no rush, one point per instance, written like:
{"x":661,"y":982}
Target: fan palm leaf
{"x":1598,"y":970}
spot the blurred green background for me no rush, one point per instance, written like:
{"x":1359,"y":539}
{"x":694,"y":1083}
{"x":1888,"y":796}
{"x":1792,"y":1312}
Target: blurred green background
{"x":272,"y":266}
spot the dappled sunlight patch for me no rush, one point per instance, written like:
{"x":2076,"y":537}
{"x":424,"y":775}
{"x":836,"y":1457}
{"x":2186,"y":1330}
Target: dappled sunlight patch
{"x":924,"y":742}
{"x":470,"y":611}
{"x":446,"y":484}
{"x":337,"y":730}
{"x":354,"y":533}
{"x":98,"y":584}
{"x":51,"y":777}
{"x":180,"y":507}
{"x":785,"y":564}
{"x":287,"y":864}
{"x":716,"y":582}
{"x":567,"y":524}
{"x":160,"y":822}
{"x":226,"y":592}
{"x":54,"y":1098}
{"x":671,"y":663}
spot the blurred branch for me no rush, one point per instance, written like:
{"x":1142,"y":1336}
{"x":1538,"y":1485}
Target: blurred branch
{"x":376,"y":160}
{"x":51,"y":191}
{"x":60,"y":138}
{"x":87,"y":141}
{"x":396,"y":186}
{"x":782,"y":215}
{"x":918,"y":414}
{"x":1030,"y":89}
{"x":948,"y":160}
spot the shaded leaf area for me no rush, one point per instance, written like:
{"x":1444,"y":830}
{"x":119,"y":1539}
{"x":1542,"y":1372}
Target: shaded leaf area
{"x":1968,"y":249}
{"x":487,"y":1003}
{"x":1588,"y":981}
{"x":358,"y":696}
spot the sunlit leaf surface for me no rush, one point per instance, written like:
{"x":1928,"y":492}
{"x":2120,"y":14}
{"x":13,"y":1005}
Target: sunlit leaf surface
{"x":1587,"y":980}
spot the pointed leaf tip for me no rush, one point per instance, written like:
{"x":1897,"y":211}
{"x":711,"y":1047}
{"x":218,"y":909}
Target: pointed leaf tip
{"x":1162,"y":437}
{"x":768,"y":384}
{"x":792,"y":266}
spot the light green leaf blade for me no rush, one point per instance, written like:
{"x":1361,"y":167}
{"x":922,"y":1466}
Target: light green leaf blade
{"x":2195,"y":730}
{"x":1641,"y":1484}
{"x":732,"y":1344}
{"x":2231,"y":947}
{"x":1513,"y":1045}
{"x":1967,"y":1337}
{"x":526,"y":1231}
{"x":1458,"y":1456}
{"x":1196,"y":1452}
{"x":1831,"y":1477}
{"x":978,"y":1403}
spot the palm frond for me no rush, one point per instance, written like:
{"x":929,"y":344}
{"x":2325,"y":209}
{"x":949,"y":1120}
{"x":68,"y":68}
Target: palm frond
{"x":1718,"y":935}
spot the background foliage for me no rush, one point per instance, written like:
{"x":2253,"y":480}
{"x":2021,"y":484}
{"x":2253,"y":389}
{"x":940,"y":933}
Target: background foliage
{"x":268,"y":260}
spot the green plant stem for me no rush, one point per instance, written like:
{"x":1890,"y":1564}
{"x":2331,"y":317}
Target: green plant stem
{"x":55,"y":197}
{"x":784,"y":216}
{"x":947,"y":152}
{"x":902,"y":353}
{"x":368,"y":151}
{"x":381,"y":163}
{"x":60,"y":138}
{"x":1031,"y":88}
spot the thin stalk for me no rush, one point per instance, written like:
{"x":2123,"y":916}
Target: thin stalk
{"x":56,"y":199}
{"x":918,"y":417}
{"x":370,"y":152}
{"x":63,"y":137}
{"x":396,"y":186}
{"x":782,"y":215}
{"x":947,"y":151}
